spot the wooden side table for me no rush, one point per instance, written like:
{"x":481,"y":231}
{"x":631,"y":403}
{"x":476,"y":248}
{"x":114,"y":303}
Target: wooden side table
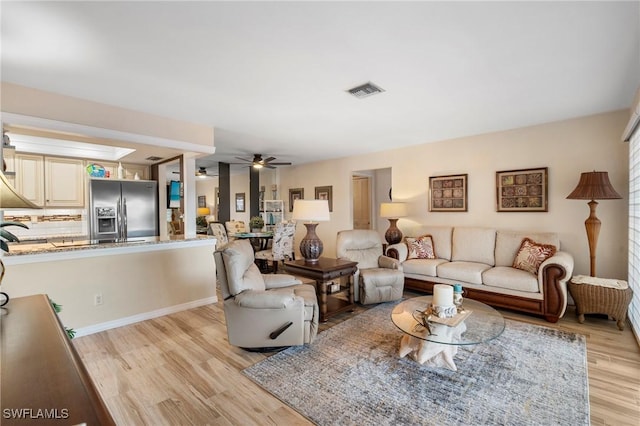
{"x":323,"y":272}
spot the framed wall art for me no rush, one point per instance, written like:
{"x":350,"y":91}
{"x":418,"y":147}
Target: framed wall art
{"x":202,"y":201}
{"x":240,"y":202}
{"x":325,"y":193}
{"x":448,"y":193}
{"x":522,"y":190}
{"x":295,"y":194}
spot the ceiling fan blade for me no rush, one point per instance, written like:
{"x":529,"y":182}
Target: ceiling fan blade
{"x":269,"y":166}
{"x":266,"y":160}
{"x":280,"y":164}
{"x":243,"y":159}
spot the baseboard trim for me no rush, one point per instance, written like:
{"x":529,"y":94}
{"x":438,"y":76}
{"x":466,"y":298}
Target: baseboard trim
{"x":91,"y":329}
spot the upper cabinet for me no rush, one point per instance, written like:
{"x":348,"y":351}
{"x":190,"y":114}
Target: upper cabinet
{"x":64,"y":182}
{"x":29,"y":182}
{"x":50,"y":181}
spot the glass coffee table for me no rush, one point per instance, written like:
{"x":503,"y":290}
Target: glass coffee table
{"x":434,"y":343}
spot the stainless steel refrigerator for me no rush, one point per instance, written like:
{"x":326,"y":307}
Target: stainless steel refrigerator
{"x":120,"y":209}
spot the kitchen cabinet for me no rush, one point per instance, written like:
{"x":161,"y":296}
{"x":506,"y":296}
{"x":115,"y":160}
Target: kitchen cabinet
{"x":50,"y":181}
{"x":272,"y":211}
{"x":9,"y":166}
{"x":64,"y":182}
{"x":30,"y":177}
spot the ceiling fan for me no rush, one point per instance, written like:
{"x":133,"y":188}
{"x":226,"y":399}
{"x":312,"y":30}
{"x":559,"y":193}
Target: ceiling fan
{"x":200,"y":173}
{"x":259,"y":163}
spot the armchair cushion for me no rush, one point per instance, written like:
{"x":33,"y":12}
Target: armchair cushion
{"x":242,"y":273}
{"x":279,"y":280}
{"x":266,"y":299}
{"x":389,"y":263}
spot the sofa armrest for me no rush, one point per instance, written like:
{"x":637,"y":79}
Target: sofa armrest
{"x":389,"y":263}
{"x":561,"y":258}
{"x":267,"y":299}
{"x":552,"y":280}
{"x":279,"y":280}
{"x":398,"y":251}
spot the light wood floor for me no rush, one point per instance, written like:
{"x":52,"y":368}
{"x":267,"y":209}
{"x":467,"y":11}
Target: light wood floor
{"x":180,"y":370}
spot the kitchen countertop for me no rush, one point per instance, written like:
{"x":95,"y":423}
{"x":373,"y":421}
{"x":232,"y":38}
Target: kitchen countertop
{"x":57,"y":245}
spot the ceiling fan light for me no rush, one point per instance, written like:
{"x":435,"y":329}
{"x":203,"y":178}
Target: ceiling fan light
{"x":257,"y":166}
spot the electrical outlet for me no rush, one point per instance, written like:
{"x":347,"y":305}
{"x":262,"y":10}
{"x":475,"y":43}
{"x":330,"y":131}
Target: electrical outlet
{"x":97,"y":299}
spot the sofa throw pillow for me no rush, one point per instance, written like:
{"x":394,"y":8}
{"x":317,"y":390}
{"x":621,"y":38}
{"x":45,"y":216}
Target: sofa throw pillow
{"x":531,"y":255}
{"x":420,"y":247}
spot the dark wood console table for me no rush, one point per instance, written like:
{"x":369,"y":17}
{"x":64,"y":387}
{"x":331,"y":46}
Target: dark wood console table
{"x":324,"y":271}
{"x":43,"y":380}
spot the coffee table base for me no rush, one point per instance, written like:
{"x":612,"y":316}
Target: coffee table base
{"x":433,"y":354}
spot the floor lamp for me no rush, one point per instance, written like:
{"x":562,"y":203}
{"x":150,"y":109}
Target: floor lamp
{"x":312,"y":211}
{"x":593,"y":186}
{"x":393,"y":211}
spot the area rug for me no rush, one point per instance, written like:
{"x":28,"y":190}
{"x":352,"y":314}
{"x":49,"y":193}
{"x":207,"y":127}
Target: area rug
{"x":351,"y":375}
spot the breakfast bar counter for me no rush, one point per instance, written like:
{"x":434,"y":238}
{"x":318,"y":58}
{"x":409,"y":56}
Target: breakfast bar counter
{"x":107,"y":285}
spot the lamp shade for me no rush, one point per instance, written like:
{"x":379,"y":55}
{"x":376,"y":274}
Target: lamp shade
{"x":203,"y":211}
{"x":311,"y":210}
{"x":9,"y":197}
{"x":393,"y":210}
{"x":594,"y":186}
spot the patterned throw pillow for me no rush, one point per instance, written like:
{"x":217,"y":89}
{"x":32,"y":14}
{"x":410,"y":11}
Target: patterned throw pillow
{"x":420,"y":248}
{"x":531,"y":255}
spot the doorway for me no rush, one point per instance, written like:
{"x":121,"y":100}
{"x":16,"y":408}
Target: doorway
{"x":361,"y":202}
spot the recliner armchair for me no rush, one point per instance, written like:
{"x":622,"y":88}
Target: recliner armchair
{"x":263,"y":311}
{"x":379,"y":278}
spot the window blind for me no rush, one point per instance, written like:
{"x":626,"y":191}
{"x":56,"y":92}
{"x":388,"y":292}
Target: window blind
{"x":634,"y":230}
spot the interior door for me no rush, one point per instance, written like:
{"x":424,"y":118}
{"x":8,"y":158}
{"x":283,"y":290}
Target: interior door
{"x":361,"y":202}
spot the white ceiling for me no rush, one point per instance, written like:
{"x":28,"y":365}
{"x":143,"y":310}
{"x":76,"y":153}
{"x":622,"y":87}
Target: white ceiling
{"x":271,"y":76}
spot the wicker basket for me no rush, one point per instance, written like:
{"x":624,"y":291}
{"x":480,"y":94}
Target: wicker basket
{"x":594,"y":299}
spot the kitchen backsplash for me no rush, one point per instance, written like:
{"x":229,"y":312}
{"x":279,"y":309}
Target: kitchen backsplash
{"x":48,"y":223}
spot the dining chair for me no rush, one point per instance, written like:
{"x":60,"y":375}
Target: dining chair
{"x":281,"y":246}
{"x":234,"y":227}
{"x":219,"y":231}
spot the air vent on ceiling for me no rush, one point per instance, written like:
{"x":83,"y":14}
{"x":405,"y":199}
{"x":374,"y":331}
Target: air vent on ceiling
{"x":153,"y":158}
{"x":365,"y":90}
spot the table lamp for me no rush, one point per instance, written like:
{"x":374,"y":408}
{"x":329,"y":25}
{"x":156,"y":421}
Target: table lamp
{"x":312,"y":211}
{"x":203,"y":211}
{"x":593,"y":186}
{"x":393,"y":211}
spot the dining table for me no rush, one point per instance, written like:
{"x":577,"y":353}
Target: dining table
{"x":259,"y":240}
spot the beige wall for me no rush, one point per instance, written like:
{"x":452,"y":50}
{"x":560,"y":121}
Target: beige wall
{"x":567,"y":148}
{"x":131,"y":284}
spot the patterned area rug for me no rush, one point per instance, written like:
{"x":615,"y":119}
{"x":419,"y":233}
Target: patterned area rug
{"x":351,"y":375}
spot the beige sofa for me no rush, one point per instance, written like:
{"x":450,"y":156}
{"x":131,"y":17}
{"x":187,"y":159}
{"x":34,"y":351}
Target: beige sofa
{"x":481,"y":260}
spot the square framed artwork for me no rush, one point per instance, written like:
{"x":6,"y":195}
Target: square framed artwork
{"x":325,"y":193}
{"x":448,"y":193}
{"x":522,"y":190}
{"x":240,"y":205}
{"x":295,"y":194}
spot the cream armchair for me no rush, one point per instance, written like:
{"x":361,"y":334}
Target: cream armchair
{"x":263,"y":311}
{"x":379,"y":278}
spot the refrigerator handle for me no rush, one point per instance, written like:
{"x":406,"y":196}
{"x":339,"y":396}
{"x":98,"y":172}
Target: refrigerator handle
{"x":118,"y":219}
{"x":124,"y":219}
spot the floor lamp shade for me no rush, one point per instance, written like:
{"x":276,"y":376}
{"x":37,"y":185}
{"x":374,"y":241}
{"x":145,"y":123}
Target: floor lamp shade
{"x":393,"y":211}
{"x":593,"y":186}
{"x":311,"y":212}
